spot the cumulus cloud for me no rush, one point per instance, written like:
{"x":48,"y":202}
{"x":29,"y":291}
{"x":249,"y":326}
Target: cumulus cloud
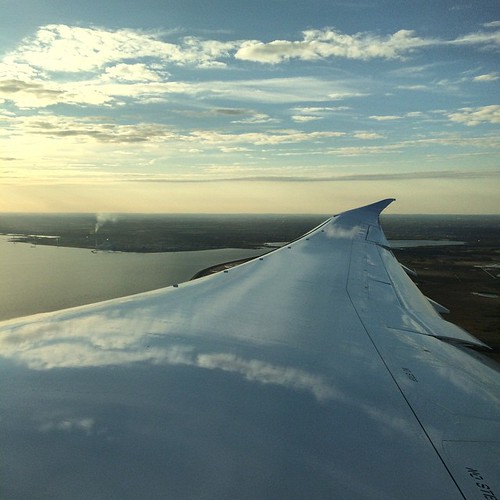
{"x":321,"y":44}
{"x":475,"y":116}
{"x":71,"y":49}
{"x":92,"y":66}
{"x":109,"y":67}
{"x":59,"y":48}
{"x":326,"y":43}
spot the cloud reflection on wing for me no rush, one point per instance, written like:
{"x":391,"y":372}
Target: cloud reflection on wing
{"x":97,"y":341}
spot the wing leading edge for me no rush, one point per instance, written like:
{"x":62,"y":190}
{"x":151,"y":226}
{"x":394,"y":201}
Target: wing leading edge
{"x":317,"y":370}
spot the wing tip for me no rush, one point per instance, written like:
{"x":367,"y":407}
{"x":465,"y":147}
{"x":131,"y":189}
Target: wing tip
{"x":379,"y":206}
{"x":371,"y":210}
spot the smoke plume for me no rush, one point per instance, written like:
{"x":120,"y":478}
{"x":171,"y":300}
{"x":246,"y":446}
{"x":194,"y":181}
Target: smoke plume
{"x":102,"y":219}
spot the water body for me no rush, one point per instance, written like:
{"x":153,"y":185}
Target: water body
{"x":46,"y":278}
{"x":424,"y":243}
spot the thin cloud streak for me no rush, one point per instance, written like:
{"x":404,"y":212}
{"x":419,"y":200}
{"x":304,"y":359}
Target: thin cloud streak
{"x":443,"y":174}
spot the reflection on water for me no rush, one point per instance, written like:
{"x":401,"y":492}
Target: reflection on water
{"x":44,"y":278}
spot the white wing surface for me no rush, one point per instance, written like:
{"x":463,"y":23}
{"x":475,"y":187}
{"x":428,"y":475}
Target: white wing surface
{"x":317,"y":371}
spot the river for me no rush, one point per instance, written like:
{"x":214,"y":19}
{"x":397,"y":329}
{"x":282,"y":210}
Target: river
{"x":47,"y":278}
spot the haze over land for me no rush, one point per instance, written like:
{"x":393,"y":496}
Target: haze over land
{"x":271,"y":106}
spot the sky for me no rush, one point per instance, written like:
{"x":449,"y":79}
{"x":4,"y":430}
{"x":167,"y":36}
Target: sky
{"x":269,"y":106}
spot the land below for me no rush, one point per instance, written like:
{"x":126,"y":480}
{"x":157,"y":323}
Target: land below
{"x":464,"y":278}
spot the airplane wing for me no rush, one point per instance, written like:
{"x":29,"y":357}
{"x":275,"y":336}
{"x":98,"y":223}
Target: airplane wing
{"x":316,"y":371}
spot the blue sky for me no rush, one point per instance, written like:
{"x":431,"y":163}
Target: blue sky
{"x":271,"y":106}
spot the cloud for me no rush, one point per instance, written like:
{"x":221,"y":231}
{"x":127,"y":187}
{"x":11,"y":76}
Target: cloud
{"x":384,"y":118}
{"x":489,"y":77}
{"x":457,"y":140}
{"x":367,"y":135}
{"x":475,"y":116}
{"x":229,"y":111}
{"x":57,"y":51}
{"x":132,"y":73}
{"x":28,"y":94}
{"x":277,"y":90}
{"x":257,"y":138}
{"x":235,"y":149}
{"x":314,"y":113}
{"x":91,"y":128}
{"x":325,"y":43}
{"x":406,"y":176}
{"x":389,"y":118}
{"x":98,"y":129}
{"x":135,"y":83}
{"x":256,"y":118}
{"x":204,"y":113}
{"x":42,"y":94}
{"x":489,"y":40}
{"x":12,"y":70}
{"x":414,"y":87}
{"x":73,"y":49}
{"x":305,"y":118}
{"x":319,"y":109}
{"x":206,"y":53}
{"x":365,"y":150}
